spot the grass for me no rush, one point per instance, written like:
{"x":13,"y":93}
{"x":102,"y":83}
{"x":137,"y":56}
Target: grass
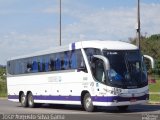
{"x":3,"y":94}
{"x":155,"y":87}
{"x":154,"y":98}
{"x":3,"y":89}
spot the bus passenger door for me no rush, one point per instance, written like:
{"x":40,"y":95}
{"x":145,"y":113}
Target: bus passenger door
{"x":99,"y":66}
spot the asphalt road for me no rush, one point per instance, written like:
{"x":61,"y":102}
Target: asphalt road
{"x":11,"y":110}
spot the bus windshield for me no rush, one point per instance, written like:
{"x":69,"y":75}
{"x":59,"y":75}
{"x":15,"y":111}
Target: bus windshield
{"x":127,"y":69}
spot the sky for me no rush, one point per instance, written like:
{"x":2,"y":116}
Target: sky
{"x":28,"y":26}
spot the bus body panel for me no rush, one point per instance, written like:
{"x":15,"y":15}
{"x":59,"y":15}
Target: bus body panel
{"x":66,"y":87}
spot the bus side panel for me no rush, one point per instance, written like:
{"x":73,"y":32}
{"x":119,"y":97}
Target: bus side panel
{"x":65,"y":87}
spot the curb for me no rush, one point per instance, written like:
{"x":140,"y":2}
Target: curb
{"x":154,"y":102}
{"x":154,"y":93}
{"x":3,"y":98}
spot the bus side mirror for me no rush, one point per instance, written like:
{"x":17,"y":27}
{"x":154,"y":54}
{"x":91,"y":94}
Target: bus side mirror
{"x":152,"y":62}
{"x":105,"y":60}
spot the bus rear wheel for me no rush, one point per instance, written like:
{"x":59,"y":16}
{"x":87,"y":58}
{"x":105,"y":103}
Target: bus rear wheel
{"x":87,"y":103}
{"x":30,"y":98}
{"x":23,"y":100}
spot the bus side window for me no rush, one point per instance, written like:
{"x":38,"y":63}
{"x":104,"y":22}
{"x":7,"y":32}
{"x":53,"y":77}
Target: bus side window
{"x":29,"y":67}
{"x":35,"y":66}
{"x":16,"y":67}
{"x":66,"y":60}
{"x":46,"y":67}
{"x":46,"y":64}
{"x":43,"y":66}
{"x":73,"y":60}
{"x":19,"y":70}
{"x":98,"y":70}
{"x":80,"y":60}
{"x":23,"y":67}
{"x":52,"y":64}
{"x":58,"y":63}
{"x":61,"y":57}
{"x":92,"y":51}
{"x":40,"y":67}
{"x":9,"y":67}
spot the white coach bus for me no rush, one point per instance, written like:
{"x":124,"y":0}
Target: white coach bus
{"x":87,"y":73}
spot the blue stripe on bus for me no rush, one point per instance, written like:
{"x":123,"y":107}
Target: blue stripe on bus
{"x":69,"y":98}
{"x":78,"y":98}
{"x":73,"y":46}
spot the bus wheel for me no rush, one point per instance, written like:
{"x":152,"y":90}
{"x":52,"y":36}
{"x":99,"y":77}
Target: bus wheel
{"x":31,"y":103}
{"x":87,"y":102}
{"x":123,"y":108}
{"x":23,"y":100}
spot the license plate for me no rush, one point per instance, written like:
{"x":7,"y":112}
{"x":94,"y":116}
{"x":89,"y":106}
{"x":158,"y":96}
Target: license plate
{"x":133,"y":100}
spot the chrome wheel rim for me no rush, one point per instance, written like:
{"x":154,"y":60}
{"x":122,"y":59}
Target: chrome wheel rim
{"x":30,"y":101}
{"x":88,"y":102}
{"x":23,"y":99}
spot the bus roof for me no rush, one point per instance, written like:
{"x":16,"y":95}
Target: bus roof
{"x":110,"y":45}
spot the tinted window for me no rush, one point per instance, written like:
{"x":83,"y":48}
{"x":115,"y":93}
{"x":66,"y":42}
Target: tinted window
{"x":52,"y":62}
{"x":92,"y":51}
{"x":66,"y":61}
{"x":98,"y":70}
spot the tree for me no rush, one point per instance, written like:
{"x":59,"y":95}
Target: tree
{"x":2,"y":73}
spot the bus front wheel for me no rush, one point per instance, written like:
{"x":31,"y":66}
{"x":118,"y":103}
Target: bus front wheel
{"x":23,"y":100}
{"x":87,"y":102}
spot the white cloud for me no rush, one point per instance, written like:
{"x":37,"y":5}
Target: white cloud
{"x":102,"y":24}
{"x":50,"y":10}
{"x":150,"y":18}
{"x":114,"y":24}
{"x":16,"y":44}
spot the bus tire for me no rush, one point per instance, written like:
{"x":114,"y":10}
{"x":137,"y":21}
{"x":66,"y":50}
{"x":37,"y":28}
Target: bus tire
{"x":87,"y":103}
{"x":23,"y":100}
{"x":122,"y":108}
{"x":30,"y":98}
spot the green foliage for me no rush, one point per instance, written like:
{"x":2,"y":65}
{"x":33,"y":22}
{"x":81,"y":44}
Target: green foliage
{"x":3,"y":89}
{"x":3,"y":86}
{"x":151,"y":46}
{"x":154,"y":97}
{"x":2,"y":74}
{"x":155,"y":87}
